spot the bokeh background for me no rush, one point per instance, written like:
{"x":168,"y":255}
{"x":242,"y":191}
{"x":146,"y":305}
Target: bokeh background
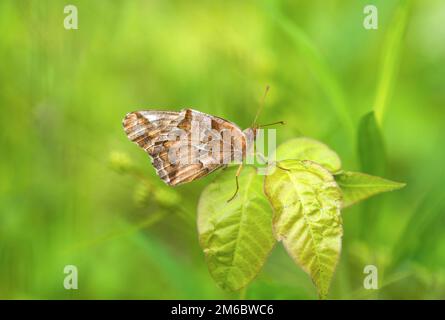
{"x":74,"y":190}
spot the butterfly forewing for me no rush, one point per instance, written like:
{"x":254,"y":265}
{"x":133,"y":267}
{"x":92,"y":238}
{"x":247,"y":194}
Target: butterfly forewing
{"x":185,"y":145}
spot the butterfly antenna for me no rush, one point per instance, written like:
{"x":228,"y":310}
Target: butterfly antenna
{"x":271,"y":124}
{"x":261,"y":106}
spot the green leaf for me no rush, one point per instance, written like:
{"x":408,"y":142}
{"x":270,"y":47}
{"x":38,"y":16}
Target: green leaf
{"x":371,"y":149}
{"x":358,"y":186}
{"x":236,"y":236}
{"x":309,"y":149}
{"x":306,"y":202}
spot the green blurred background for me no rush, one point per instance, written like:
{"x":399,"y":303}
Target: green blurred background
{"x":74,"y":190}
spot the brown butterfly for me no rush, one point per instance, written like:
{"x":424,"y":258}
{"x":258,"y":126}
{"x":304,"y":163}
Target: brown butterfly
{"x":209,"y":142}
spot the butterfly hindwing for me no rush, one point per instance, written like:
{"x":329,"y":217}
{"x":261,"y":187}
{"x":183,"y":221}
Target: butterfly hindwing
{"x":160,"y":133}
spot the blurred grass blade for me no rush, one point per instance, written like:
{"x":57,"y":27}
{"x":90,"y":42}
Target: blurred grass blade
{"x":236,"y":236}
{"x":426,"y":223}
{"x":391,"y":59}
{"x":309,"y":149}
{"x":316,"y":62}
{"x":358,"y":186}
{"x":176,"y":273}
{"x":306,"y":202}
{"x":371,"y":150}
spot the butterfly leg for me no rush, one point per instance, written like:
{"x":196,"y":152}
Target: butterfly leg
{"x":266,"y":161}
{"x":238,"y":172}
{"x":279,"y":167}
{"x":282,"y":168}
{"x":262,"y":157}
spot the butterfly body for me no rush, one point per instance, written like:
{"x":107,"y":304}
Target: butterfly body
{"x":186,"y":145}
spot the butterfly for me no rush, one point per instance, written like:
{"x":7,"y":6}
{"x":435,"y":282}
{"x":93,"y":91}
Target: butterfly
{"x":187,"y":145}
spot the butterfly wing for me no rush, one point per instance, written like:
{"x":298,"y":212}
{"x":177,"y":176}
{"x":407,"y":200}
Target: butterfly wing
{"x":178,"y":142}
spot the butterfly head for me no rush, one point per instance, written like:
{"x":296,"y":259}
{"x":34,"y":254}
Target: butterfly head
{"x":251,"y":133}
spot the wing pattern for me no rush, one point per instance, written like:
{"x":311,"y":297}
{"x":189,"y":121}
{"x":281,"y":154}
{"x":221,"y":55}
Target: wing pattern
{"x":186,"y":145}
